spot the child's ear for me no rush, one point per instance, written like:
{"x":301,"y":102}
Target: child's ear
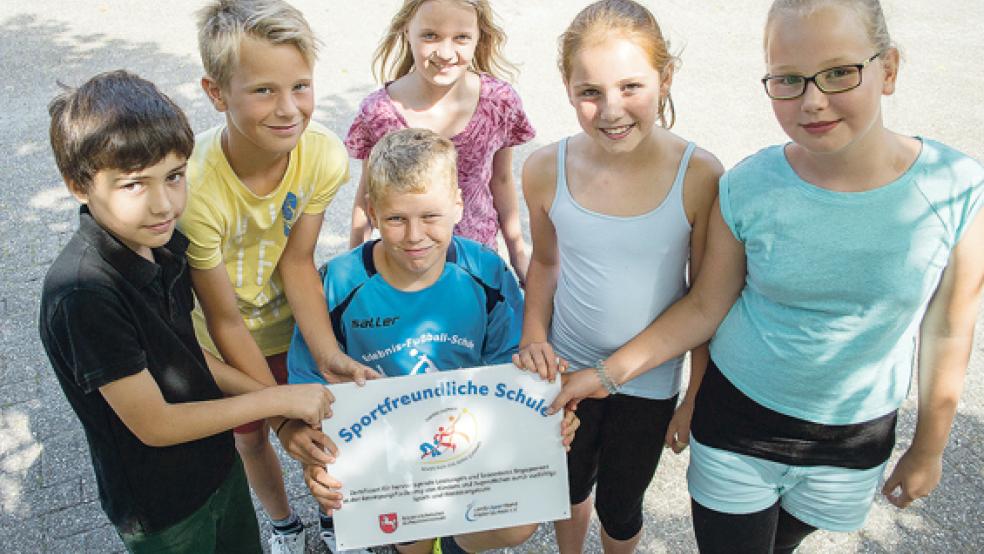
{"x":78,"y":192}
{"x":665,"y":80}
{"x":214,"y":93}
{"x":459,"y":206}
{"x":371,"y":212}
{"x":890,"y":67}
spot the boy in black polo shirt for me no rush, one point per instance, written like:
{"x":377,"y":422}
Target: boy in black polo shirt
{"x":115,"y":322}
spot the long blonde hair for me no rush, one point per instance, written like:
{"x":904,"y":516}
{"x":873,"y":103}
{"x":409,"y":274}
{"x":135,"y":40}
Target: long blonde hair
{"x":623,"y":19}
{"x":488,"y":53}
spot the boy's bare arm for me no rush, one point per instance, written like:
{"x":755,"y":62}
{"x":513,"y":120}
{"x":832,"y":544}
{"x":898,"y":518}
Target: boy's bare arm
{"x":226,"y":326}
{"x":303,"y":288}
{"x":138,"y":402}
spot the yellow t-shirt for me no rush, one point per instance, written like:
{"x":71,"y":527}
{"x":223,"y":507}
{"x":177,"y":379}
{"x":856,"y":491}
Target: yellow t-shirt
{"x":228,"y":224}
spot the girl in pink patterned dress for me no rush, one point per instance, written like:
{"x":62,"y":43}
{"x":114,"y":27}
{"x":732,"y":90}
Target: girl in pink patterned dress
{"x":440,"y":58}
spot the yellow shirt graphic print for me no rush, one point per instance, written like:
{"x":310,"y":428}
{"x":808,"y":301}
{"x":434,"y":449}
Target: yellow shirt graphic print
{"x":228,"y":224}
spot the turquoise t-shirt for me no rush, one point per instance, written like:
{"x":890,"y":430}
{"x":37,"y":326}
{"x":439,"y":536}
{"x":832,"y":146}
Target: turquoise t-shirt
{"x":837,"y":283}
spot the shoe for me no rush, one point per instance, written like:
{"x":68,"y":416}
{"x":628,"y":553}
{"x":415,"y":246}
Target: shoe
{"x":287,"y":544}
{"x":328,"y":537}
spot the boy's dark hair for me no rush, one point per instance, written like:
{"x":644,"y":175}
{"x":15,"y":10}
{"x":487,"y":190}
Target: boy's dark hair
{"x":115,"y":120}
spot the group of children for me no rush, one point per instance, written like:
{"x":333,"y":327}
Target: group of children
{"x":803,"y":282}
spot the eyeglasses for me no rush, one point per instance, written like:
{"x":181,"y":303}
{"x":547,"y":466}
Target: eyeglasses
{"x":829,"y":81}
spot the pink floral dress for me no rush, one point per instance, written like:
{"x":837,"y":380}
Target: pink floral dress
{"x":498,"y":122}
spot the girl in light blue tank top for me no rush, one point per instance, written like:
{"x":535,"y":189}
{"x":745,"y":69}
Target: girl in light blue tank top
{"x":831,"y":258}
{"x":617,"y":213}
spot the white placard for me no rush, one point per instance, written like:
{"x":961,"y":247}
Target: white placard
{"x":446,"y":453}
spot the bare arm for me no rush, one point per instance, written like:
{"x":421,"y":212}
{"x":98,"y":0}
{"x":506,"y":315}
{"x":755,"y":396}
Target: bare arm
{"x":226,"y":325}
{"x":539,"y":182}
{"x":361,"y":226}
{"x":302,"y":286}
{"x":138,"y":401}
{"x":699,"y":194}
{"x":506,"y":204}
{"x":946,"y":338}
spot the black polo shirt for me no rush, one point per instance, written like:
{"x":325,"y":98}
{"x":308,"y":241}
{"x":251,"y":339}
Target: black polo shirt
{"x":107,"y":313}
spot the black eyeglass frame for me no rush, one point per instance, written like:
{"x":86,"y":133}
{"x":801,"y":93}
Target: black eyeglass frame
{"x":813,"y":79}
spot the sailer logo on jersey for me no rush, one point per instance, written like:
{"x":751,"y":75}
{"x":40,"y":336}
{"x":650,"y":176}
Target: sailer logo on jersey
{"x":388,"y":522}
{"x":373,"y":322}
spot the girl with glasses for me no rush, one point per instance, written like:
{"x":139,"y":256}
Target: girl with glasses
{"x":835,"y":263}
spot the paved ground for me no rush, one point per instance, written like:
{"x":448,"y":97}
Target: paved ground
{"x":47,"y":495}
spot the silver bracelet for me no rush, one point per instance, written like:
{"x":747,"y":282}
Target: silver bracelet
{"x":606,"y":380}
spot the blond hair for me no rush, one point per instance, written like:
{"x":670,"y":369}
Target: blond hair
{"x":222,"y":25}
{"x":410,"y":160}
{"x":620,"y":19}
{"x":869,"y":13}
{"x":488,"y":53}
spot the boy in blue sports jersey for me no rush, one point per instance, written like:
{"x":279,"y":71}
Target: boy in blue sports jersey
{"x":418,"y":299}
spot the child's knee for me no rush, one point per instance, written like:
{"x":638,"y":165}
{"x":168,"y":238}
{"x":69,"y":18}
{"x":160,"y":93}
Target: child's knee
{"x":511,"y":537}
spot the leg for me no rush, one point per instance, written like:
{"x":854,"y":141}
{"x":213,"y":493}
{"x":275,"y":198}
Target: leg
{"x":572,"y":532}
{"x":260,"y":460}
{"x":582,"y":471}
{"x":419,"y":547}
{"x":237,"y":531}
{"x":631,"y":444}
{"x":508,"y":537}
{"x":263,"y":471}
{"x":790,"y":532}
{"x":718,"y":532}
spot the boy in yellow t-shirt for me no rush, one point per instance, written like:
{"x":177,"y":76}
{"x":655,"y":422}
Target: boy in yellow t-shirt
{"x":258,"y":188}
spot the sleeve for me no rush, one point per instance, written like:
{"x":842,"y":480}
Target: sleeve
{"x":334,"y":174}
{"x":362,"y":135}
{"x":96,"y":338}
{"x":505,"y":322}
{"x":519,"y":130}
{"x":204,"y":231}
{"x":724,"y":200}
{"x":974,"y":198}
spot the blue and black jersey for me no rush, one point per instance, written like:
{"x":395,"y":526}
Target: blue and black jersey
{"x":471,"y":316}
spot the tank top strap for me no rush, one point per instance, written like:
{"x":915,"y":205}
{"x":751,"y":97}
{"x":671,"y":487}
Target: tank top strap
{"x":677,"y":189}
{"x":561,"y":191}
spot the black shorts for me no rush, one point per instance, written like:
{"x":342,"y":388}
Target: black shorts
{"x":618,"y":446}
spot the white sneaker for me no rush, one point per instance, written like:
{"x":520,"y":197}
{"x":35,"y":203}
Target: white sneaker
{"x":328,"y":537}
{"x":287,"y":544}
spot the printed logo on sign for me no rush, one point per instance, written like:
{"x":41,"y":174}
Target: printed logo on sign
{"x":454,"y":438}
{"x":388,"y":522}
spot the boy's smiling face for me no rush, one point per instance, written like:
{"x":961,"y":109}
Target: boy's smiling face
{"x":416,"y":230}
{"x":140,"y":207}
{"x":269,"y":98}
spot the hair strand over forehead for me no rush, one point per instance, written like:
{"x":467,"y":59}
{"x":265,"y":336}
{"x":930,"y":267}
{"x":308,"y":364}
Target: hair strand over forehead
{"x":223,"y":24}
{"x":410,"y":160}
{"x":115,"y":120}
{"x":869,"y":13}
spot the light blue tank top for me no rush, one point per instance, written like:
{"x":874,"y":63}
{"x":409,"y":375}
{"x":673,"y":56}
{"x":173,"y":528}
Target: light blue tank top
{"x":616,"y":275}
{"x":837,"y":282}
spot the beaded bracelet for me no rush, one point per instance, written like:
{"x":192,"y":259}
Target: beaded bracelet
{"x":606,"y":380}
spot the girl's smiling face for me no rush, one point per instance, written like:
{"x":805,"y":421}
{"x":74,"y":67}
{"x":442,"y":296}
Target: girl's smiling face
{"x":616,"y":93}
{"x":828,"y":37}
{"x":443,"y":35}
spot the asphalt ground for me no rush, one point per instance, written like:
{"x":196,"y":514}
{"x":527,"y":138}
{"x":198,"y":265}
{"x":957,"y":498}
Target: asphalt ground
{"x":48,"y":499}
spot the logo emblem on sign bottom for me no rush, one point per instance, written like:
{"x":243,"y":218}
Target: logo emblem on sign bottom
{"x":388,"y":522}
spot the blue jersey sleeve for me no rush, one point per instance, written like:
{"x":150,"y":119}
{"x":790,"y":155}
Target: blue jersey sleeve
{"x":505,"y":322}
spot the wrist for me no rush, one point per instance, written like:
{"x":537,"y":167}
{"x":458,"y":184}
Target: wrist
{"x":605,"y":378}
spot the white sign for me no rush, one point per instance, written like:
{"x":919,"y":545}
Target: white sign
{"x":446,"y":453}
